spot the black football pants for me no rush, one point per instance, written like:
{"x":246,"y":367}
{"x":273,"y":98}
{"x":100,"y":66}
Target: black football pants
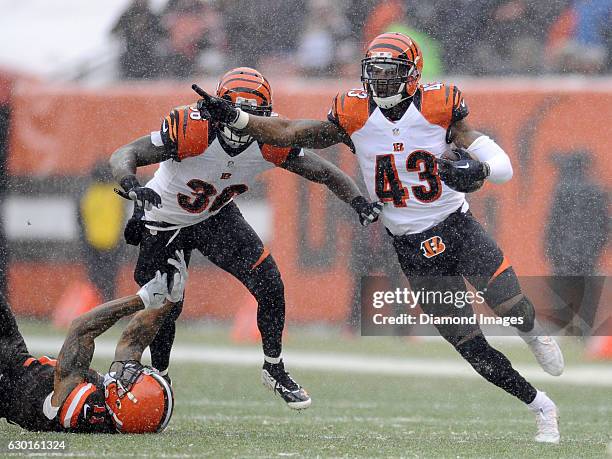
{"x":440,"y":259}
{"x":229,"y":242}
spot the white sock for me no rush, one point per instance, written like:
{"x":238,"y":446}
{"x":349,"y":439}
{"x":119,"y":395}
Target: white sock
{"x":540,"y":401}
{"x":164,"y":373}
{"x":273,"y":360}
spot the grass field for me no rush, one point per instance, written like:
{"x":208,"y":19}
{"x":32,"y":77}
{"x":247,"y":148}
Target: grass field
{"x":223,"y":411}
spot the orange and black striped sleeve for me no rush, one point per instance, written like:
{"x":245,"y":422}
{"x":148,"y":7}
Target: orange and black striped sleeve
{"x":185,"y":133}
{"x":442,"y":104}
{"x":350,"y":111}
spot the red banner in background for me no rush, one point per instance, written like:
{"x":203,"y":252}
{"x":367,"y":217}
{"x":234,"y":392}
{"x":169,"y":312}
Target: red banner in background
{"x":64,"y":130}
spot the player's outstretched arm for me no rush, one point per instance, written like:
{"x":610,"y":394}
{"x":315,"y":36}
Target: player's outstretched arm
{"x":124,"y":162}
{"x":271,"y":130}
{"x":140,"y":332}
{"x":316,"y":169}
{"x":297,"y":133}
{"x":144,"y":326}
{"x":77,"y":351}
{"x":140,"y":152}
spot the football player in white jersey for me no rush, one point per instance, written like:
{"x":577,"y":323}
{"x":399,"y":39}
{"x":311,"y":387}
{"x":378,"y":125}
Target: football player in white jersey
{"x":401,"y":131}
{"x":188,"y":205}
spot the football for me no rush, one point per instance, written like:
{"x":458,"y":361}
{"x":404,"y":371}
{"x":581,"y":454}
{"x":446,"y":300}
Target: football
{"x":454,"y":155}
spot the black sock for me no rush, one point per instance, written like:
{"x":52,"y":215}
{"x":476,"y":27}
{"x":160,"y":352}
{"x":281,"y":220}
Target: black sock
{"x":496,"y":368}
{"x":163,"y":341}
{"x":267,"y":288}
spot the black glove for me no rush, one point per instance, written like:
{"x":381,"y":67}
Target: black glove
{"x":368,"y":211}
{"x":135,"y":227}
{"x":215,"y":108}
{"x":142,"y":196}
{"x":464,"y":175}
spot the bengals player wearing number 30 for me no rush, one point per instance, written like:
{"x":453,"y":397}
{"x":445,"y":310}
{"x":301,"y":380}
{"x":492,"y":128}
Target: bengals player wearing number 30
{"x":400,"y":131}
{"x":188,"y":205}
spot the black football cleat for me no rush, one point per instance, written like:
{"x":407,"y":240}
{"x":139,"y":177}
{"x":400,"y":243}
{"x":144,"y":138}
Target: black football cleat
{"x":275,"y":378}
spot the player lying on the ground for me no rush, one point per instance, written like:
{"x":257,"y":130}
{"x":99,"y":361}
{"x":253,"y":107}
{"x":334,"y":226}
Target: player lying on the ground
{"x":45,"y":394}
{"x":399,"y":130}
{"x":189,"y":206}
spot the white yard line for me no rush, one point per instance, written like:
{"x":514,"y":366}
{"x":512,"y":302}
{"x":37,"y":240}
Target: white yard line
{"x":583,"y":375}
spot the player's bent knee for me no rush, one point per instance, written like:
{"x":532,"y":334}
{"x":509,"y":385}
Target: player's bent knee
{"x":505,"y":298}
{"x":267,"y":279}
{"x":524,"y":309}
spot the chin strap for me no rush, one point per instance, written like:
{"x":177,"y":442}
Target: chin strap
{"x":391,"y":101}
{"x":384,"y":102}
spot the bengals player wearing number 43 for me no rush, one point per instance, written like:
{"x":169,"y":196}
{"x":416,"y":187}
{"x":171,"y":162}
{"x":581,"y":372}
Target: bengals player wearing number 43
{"x":189,"y":205}
{"x":400,"y":131}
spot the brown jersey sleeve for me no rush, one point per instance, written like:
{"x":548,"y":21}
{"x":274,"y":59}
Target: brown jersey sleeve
{"x":72,"y":409}
{"x":185,"y":133}
{"x":442,"y":104}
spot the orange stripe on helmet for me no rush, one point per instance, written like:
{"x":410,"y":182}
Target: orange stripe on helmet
{"x":406,"y":41}
{"x":241,"y":85}
{"x":257,"y":80}
{"x":245,"y":82}
{"x":399,"y":45}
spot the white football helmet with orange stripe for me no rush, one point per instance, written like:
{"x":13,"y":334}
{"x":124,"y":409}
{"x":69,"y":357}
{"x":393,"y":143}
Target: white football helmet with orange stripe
{"x":138,"y":398}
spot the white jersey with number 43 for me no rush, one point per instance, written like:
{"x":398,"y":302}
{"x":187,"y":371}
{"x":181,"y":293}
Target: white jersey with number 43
{"x":201,"y":177}
{"x":397,"y":159}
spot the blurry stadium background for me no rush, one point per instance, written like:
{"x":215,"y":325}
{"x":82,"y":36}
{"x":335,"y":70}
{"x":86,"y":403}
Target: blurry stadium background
{"x":79,"y":79}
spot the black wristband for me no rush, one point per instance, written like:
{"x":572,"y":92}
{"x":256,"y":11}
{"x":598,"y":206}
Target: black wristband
{"x":358,"y":203}
{"x":128,"y":182}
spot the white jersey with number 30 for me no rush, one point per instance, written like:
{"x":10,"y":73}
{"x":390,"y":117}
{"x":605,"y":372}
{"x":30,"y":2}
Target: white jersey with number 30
{"x":202,"y":177}
{"x":397,"y":159}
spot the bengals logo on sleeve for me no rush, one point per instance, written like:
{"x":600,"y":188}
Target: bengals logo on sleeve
{"x":185,"y":133}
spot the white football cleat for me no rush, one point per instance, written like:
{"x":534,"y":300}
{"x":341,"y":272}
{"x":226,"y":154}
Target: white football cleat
{"x":547,"y":352}
{"x":547,"y":420}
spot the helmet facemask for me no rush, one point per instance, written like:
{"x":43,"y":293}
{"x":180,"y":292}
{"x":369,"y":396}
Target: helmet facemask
{"x":138,"y":399}
{"x":389,"y":80}
{"x":234,"y":137}
{"x":126,"y":377}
